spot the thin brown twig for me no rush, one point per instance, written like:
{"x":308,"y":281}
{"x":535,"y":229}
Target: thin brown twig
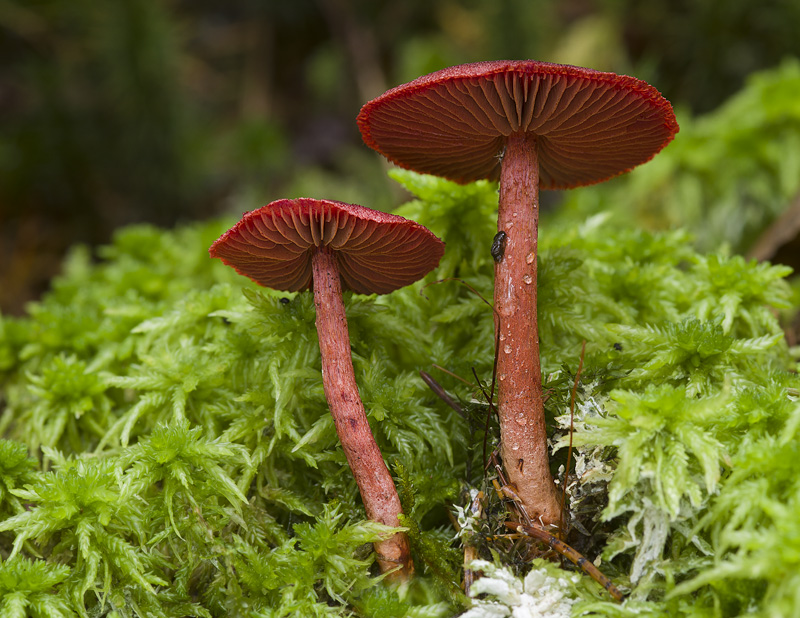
{"x":488,"y":397}
{"x":441,"y":393}
{"x":456,"y":376}
{"x":537,"y":532}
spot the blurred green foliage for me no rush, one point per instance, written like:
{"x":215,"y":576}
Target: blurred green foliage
{"x":142,"y":110}
{"x":726,"y":176}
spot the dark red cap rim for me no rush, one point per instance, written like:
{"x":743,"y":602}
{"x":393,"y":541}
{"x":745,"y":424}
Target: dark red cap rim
{"x":592,"y":125}
{"x":376,"y":252}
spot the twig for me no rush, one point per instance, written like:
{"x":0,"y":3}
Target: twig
{"x":456,"y":376}
{"x":539,"y":533}
{"x":488,"y":397}
{"x":441,"y":393}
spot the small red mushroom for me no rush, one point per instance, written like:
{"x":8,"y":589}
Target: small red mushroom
{"x":530,"y":125}
{"x":294,"y":245}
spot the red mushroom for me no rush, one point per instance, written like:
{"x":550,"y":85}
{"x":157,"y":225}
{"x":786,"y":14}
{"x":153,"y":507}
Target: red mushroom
{"x":530,"y":125}
{"x":294,"y":245}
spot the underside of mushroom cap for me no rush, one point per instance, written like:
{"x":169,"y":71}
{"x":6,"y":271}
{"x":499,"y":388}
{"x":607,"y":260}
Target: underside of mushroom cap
{"x":590,"y":125}
{"x":376,"y":252}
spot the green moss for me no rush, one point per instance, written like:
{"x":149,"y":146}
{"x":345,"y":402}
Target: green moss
{"x":168,"y":449}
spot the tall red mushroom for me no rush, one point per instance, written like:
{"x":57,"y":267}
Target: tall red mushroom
{"x":294,"y":245}
{"x":530,"y":125}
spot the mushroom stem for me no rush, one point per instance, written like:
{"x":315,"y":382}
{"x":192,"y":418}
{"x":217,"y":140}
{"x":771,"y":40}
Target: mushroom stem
{"x":519,"y":394}
{"x":375,"y":483}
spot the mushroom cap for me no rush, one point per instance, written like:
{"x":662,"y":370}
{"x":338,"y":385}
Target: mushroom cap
{"x":590,"y":125}
{"x":376,"y":252}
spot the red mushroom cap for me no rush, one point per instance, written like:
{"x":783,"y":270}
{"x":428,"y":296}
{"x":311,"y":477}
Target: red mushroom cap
{"x":453,"y":123}
{"x":376,"y":252}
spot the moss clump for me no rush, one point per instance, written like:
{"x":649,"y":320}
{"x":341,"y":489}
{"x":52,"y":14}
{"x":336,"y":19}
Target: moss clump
{"x":167,"y":449}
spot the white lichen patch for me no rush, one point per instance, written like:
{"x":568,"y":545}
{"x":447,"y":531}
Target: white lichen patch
{"x":467,"y":517}
{"x":539,"y":595}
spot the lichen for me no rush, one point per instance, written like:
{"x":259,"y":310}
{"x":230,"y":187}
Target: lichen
{"x":540,"y":594}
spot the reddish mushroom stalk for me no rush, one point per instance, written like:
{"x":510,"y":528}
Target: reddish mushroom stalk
{"x":378,"y":492}
{"x":519,"y":385}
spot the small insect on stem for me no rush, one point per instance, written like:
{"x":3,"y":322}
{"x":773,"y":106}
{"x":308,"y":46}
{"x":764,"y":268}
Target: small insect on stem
{"x":499,"y":246}
{"x":570,"y":554}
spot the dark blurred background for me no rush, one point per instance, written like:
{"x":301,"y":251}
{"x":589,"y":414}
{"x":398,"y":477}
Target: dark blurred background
{"x":166,"y":111}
